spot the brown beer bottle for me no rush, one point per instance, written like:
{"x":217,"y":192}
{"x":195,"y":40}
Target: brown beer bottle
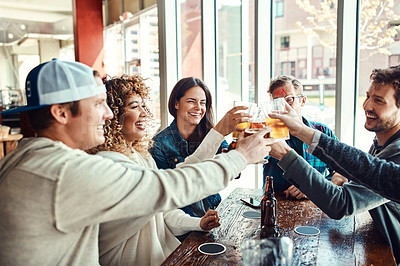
{"x":269,"y":211}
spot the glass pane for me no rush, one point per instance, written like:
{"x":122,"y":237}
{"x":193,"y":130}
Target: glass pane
{"x":113,"y":59}
{"x":191,"y":40}
{"x":379,"y":21}
{"x":132,"y":48}
{"x":229,"y":54}
{"x":305,"y":47}
{"x":149,"y":63}
{"x":251,"y":51}
{"x":140,"y":46}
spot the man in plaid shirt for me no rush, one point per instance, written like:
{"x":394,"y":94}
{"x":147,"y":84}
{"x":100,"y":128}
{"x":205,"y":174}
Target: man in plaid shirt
{"x":291,"y":90}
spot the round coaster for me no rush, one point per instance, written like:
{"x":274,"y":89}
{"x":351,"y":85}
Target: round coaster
{"x":212,"y":248}
{"x":307,"y":230}
{"x":252,"y":214}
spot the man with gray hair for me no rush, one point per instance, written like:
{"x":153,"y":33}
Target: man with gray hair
{"x":291,"y":90}
{"x":382,"y":116}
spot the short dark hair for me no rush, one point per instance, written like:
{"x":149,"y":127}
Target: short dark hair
{"x":282,"y":80}
{"x":41,"y":118}
{"x":179,"y":90}
{"x":388,"y":76}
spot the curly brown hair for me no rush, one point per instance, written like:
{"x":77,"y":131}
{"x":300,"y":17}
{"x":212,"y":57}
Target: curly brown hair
{"x":119,"y":89}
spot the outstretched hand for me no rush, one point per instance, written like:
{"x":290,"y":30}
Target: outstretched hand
{"x":210,"y":220}
{"x":255,"y":147}
{"x":231,"y":119}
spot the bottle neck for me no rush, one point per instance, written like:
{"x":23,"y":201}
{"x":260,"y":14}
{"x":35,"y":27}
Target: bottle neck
{"x":269,"y":188}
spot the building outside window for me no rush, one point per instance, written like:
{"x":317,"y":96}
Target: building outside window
{"x":278,"y":8}
{"x":301,"y":50}
{"x":285,"y":42}
{"x":131,"y":47}
{"x":191,"y":39}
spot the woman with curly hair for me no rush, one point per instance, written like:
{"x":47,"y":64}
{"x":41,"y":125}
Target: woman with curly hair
{"x":148,"y":240}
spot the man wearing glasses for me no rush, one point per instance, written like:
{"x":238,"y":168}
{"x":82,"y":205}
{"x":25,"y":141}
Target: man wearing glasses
{"x":291,"y":89}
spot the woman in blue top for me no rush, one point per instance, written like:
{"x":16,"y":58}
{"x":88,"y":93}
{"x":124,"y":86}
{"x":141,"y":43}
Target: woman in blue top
{"x":190,"y":104}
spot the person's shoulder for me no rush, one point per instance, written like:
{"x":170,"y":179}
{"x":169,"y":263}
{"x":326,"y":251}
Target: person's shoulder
{"x":392,"y":151}
{"x":163,"y":134}
{"x":321,"y":127}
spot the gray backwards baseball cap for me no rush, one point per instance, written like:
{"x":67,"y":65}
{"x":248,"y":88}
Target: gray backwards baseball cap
{"x":58,"y":82}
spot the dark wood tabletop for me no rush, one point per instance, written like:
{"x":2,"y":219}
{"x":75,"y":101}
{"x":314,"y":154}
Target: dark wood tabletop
{"x":349,"y":241}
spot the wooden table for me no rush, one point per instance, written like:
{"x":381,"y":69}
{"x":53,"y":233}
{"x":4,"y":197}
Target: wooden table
{"x":9,"y":143}
{"x":349,"y":241}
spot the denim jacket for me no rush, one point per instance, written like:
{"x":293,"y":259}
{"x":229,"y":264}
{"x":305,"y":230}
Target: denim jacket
{"x":168,"y":150}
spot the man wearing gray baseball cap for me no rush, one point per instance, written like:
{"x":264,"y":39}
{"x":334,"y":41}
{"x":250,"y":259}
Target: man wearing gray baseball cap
{"x":53,"y":195}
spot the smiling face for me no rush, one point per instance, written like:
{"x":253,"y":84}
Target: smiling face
{"x":382,"y":114}
{"x":134,"y":119}
{"x":190,"y":109}
{"x":86,"y":129}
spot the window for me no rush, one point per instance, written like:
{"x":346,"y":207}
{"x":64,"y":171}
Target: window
{"x":288,"y":68}
{"x":278,"y":9}
{"x":394,"y":60}
{"x":298,"y":51}
{"x":374,"y":54}
{"x":285,"y":42}
{"x":191,"y":39}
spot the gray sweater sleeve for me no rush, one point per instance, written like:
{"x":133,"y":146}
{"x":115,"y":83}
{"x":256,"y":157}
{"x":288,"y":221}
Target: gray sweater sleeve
{"x":114,"y":189}
{"x":377,"y":174}
{"x":337,"y":202}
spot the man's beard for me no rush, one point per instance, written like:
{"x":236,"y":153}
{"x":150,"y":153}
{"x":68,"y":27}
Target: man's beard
{"x":382,"y":125}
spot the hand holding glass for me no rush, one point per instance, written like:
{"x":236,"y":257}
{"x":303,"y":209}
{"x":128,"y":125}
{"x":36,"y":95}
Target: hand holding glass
{"x":279,"y":130}
{"x":252,"y":109}
{"x":257,"y":123}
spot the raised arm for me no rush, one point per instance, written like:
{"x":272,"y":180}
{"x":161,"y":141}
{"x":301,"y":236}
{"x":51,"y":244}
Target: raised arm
{"x":377,"y":174}
{"x":335,"y":201}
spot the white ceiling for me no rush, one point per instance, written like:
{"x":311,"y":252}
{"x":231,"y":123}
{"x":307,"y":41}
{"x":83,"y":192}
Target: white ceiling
{"x":26,"y":18}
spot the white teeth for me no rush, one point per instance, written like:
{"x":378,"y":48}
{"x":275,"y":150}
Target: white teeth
{"x":196,"y":114}
{"x":370,"y":116}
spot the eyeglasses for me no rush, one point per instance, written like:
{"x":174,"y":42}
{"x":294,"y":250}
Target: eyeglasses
{"x":290,"y":99}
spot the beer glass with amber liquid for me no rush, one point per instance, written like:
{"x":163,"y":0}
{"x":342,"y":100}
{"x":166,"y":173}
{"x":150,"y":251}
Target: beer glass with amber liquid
{"x":279,"y":130}
{"x":256,"y":124}
{"x":252,"y":110}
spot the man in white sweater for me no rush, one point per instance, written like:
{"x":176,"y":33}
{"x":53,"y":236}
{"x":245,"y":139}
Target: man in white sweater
{"x":53,"y":195}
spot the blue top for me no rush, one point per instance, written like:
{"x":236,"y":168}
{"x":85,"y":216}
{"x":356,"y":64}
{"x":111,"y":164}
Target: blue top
{"x":168,"y":150}
{"x":272,"y":168}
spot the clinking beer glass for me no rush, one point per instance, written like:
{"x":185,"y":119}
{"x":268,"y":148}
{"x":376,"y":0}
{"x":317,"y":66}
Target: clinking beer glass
{"x":252,"y":111}
{"x":279,"y":130}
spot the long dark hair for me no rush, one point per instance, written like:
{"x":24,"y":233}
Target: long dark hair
{"x":207,"y":122}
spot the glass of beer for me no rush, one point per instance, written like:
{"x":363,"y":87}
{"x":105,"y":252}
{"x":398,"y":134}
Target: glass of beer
{"x":252,"y":111}
{"x":279,"y":130}
{"x":256,"y":124}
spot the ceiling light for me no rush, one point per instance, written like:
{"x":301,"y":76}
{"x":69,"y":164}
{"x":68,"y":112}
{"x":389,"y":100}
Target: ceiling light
{"x":10,"y":36}
{"x":23,"y":27}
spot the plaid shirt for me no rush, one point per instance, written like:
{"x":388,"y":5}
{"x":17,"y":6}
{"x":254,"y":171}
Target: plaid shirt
{"x":272,"y":168}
